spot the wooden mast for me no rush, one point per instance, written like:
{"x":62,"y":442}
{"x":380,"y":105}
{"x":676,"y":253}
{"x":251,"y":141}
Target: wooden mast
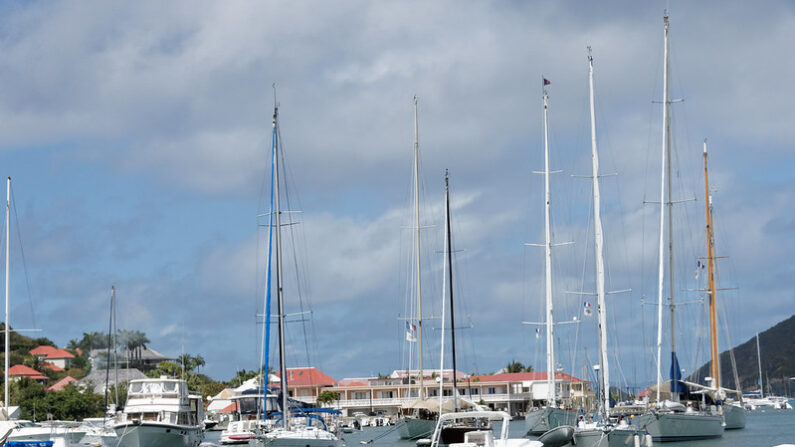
{"x":713,"y":305}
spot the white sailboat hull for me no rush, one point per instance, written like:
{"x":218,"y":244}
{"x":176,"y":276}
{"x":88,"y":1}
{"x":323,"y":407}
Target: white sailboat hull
{"x":542,"y":419}
{"x":412,"y":428}
{"x":615,"y":437}
{"x":665,"y":427}
{"x":734,"y":416}
{"x":299,"y":437}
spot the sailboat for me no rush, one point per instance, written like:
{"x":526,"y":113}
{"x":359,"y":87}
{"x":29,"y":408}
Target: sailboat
{"x":758,"y":400}
{"x":21,"y":430}
{"x":602,"y":433}
{"x":295,"y":428}
{"x":418,"y":418}
{"x":541,"y":419}
{"x":733,"y":410}
{"x":671,"y":420}
{"x":453,"y":432}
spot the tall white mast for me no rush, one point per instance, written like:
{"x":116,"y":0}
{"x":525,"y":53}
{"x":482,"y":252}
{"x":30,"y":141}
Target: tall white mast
{"x":759,"y":362}
{"x":8,"y":285}
{"x":421,"y":393}
{"x":665,"y":156}
{"x":551,"y":398}
{"x":604,"y":386}
{"x":445,"y":252}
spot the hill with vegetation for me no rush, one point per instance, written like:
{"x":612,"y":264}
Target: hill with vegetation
{"x":76,"y":402}
{"x":778,"y":361}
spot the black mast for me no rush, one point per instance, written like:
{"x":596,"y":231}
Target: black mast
{"x":450,"y":272}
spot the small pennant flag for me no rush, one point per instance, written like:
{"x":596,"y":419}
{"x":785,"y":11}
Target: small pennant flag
{"x":538,"y":332}
{"x":546,"y":81}
{"x":411,"y":332}
{"x":587,"y":309}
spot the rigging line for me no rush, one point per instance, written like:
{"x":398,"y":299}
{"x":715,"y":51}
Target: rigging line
{"x":296,"y":264}
{"x":24,"y":262}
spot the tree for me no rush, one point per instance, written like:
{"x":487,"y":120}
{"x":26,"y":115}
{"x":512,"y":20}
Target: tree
{"x":514,"y":367}
{"x":517,"y":367}
{"x":327,"y":397}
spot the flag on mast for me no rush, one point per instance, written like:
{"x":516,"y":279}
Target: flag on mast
{"x":411,"y":332}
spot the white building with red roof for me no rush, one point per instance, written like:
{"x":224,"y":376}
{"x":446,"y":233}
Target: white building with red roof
{"x":17,"y":372}
{"x":58,"y":357}
{"x":306,"y":383}
{"x":513,"y":392}
{"x":61,"y":384}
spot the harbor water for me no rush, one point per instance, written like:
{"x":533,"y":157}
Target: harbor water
{"x":763,"y":429}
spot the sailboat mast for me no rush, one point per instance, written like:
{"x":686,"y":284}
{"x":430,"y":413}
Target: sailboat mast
{"x":670,"y":205}
{"x":551,"y":395}
{"x":110,"y":335}
{"x":115,"y":352}
{"x":421,"y":393}
{"x":8,"y":285}
{"x":661,"y":265}
{"x":713,"y":297}
{"x":759,"y":362}
{"x":279,"y":284}
{"x":450,"y":273}
{"x":604,"y":386}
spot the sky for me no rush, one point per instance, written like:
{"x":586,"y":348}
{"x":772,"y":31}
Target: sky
{"x":138,"y":134}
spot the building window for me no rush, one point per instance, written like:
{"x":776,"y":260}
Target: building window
{"x":360,"y":395}
{"x":433,"y":392}
{"x":447,"y":392}
{"x":385,"y":394}
{"x":474,"y":391}
{"x":491,"y":390}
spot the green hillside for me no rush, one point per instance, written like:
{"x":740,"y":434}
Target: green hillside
{"x":778,"y":360}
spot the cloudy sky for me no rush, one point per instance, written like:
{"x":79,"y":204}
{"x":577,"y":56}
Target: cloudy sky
{"x":138,"y":137}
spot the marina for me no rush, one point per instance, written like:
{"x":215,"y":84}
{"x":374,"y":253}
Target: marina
{"x":319,"y":225}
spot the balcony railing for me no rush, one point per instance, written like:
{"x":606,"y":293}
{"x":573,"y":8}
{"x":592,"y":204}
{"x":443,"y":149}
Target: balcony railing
{"x":400,"y":401}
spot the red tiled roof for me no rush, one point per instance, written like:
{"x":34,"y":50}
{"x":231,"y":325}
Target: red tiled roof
{"x":43,"y":350}
{"x":50,"y":352}
{"x":60,"y":354}
{"x":25,"y":371}
{"x":61,"y":384}
{"x":51,"y":367}
{"x":353,"y":384}
{"x":308,"y":377}
{"x":229,"y":408}
{"x":515,"y":377}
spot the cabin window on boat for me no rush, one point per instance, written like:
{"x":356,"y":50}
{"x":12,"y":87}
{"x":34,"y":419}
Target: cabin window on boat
{"x":247,"y":405}
{"x":149,"y":416}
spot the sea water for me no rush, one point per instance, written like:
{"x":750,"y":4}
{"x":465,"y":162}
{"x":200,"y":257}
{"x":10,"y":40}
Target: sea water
{"x":762,"y":429}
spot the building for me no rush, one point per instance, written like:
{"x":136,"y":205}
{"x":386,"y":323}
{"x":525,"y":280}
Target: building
{"x":305,"y":384}
{"x":58,"y":357}
{"x":17,"y":372}
{"x":95,"y":380}
{"x":512,"y":392}
{"x":61,"y":384}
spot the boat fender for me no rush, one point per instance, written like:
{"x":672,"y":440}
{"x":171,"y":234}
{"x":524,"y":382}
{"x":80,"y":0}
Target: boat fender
{"x":636,"y":440}
{"x":649,"y":441}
